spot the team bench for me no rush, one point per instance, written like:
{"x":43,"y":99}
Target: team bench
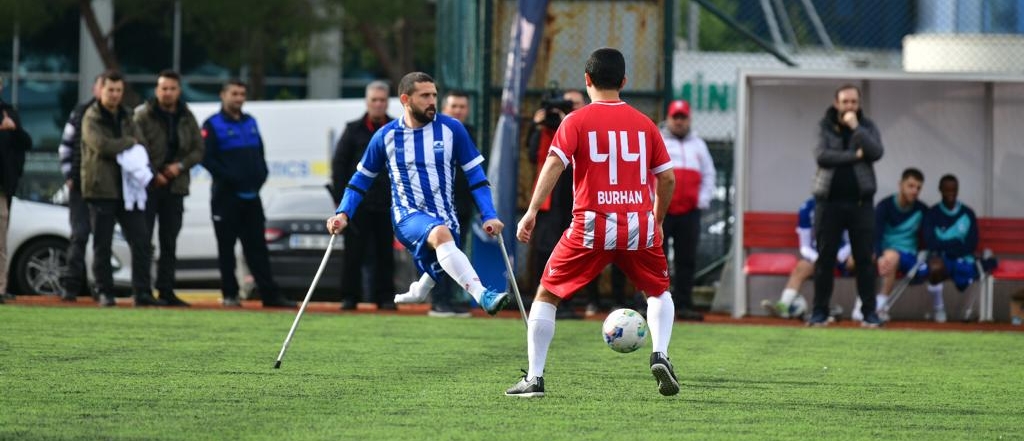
{"x":1005,"y":237}
{"x":766,"y":231}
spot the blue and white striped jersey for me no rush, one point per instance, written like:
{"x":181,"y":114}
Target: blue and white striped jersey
{"x":421,"y":164}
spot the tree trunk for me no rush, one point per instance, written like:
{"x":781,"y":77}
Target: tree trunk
{"x":257,"y":67}
{"x":104,"y":48}
{"x":387,"y":60}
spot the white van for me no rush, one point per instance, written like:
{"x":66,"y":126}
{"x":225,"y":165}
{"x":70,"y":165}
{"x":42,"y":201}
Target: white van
{"x":298,"y":137}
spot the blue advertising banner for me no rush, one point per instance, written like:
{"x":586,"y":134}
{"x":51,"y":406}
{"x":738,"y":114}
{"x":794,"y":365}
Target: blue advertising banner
{"x":503,"y":162}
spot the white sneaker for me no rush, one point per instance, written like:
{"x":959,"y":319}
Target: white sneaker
{"x":940,"y":316}
{"x":856,"y":315}
{"x":414,"y":295}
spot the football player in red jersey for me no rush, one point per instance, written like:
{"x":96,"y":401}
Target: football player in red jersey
{"x":617,"y":154}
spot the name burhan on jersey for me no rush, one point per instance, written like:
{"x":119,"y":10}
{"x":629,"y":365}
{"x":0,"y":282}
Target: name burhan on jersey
{"x":616,"y":197}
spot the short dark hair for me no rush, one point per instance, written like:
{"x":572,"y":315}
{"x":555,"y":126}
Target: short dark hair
{"x":169,"y":73}
{"x":948,"y":177}
{"x":607,"y":68}
{"x":911,"y":172}
{"x":111,"y":76}
{"x":582,"y":93}
{"x":408,"y":84}
{"x":847,"y":86}
{"x":234,"y":82}
{"x":459,"y":93}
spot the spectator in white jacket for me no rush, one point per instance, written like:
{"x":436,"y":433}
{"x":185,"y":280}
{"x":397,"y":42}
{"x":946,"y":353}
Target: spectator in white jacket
{"x":695,"y":185}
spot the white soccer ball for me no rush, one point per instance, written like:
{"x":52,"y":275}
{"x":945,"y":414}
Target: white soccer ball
{"x":625,"y":330}
{"x":798,"y":307}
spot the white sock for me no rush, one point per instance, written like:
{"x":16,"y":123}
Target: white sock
{"x":540,"y":330}
{"x":857,"y":306}
{"x":455,"y":263}
{"x":936,"y":292}
{"x":880,"y":301}
{"x":418,"y":290}
{"x":788,"y":295}
{"x":661,"y":313}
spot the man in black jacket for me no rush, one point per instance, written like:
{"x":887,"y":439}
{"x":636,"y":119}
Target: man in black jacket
{"x":370,"y":233}
{"x":73,"y":283}
{"x":844,"y":189}
{"x":234,"y":156}
{"x":14,"y":142}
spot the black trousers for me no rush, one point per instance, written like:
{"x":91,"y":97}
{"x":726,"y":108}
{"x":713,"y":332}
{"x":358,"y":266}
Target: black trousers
{"x":74,"y":281}
{"x":104,"y":213}
{"x":684,"y":230}
{"x":830,"y":219}
{"x":368,"y":241}
{"x":165,"y":208}
{"x":236,"y":219}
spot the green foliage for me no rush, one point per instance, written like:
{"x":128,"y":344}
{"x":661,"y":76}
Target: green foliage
{"x":718,"y":36}
{"x":31,"y":16}
{"x":86,"y":373}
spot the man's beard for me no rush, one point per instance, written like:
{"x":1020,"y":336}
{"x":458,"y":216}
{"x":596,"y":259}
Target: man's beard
{"x":424,"y":116}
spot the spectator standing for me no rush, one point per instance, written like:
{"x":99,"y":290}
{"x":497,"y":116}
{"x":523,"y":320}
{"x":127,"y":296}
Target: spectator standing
{"x":844,"y":186}
{"x":951,"y":236}
{"x":695,"y":185}
{"x":804,"y":268}
{"x":14,"y":142}
{"x":74,"y":281}
{"x":616,"y":216}
{"x":420,"y":152}
{"x":555,"y":213}
{"x":443,"y":301}
{"x":111,"y":149}
{"x":174,"y":144}
{"x":898,"y":220}
{"x":369,"y":242}
{"x":234,"y":157}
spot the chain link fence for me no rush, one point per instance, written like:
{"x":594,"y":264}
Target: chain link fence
{"x":694,"y":49}
{"x":718,"y":38}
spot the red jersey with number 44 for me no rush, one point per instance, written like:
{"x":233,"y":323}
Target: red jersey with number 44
{"x":615,"y":151}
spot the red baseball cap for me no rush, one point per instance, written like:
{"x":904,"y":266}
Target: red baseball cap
{"x":678,"y":107}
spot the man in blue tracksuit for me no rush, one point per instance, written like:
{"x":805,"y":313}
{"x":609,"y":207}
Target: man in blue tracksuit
{"x":951,"y":236}
{"x":234,"y":157}
{"x":898,"y":221}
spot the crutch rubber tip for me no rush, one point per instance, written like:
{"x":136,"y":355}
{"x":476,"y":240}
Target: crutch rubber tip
{"x":277,"y":365}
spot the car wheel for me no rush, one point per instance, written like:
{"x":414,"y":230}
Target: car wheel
{"x":40,"y":266}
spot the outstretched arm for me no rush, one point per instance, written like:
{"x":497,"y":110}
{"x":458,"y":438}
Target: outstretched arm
{"x":553,"y":168}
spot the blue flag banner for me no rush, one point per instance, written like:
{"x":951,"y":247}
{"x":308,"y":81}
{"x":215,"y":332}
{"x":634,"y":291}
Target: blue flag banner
{"x":503,"y":162}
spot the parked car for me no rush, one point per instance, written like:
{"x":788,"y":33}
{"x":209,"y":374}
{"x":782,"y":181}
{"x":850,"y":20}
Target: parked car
{"x":37,"y":244}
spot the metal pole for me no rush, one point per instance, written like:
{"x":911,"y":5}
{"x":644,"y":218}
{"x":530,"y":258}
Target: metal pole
{"x":15,"y":49}
{"x":305,"y":302}
{"x":512,"y":280}
{"x":176,"y":52}
{"x":819,"y":28}
{"x":746,"y":33}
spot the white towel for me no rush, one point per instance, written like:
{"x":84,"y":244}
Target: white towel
{"x":135,"y":176}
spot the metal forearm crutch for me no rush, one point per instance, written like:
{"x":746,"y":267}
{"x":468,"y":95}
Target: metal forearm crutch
{"x":512,"y":280}
{"x":968,"y":308}
{"x":305,"y":302}
{"x":902,"y":285}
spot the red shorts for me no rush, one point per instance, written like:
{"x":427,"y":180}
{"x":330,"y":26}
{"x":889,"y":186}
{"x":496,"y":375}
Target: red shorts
{"x":572,"y":266}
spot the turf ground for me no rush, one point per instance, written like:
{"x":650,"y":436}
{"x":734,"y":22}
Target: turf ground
{"x":90,"y":373}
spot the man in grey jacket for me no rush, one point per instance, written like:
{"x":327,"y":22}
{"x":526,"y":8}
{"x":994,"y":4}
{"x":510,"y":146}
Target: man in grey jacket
{"x":175,"y":144}
{"x":844,"y":189}
{"x":107,"y":130}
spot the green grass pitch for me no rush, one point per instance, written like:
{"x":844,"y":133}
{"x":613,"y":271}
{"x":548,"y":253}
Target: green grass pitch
{"x":125,"y":374}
